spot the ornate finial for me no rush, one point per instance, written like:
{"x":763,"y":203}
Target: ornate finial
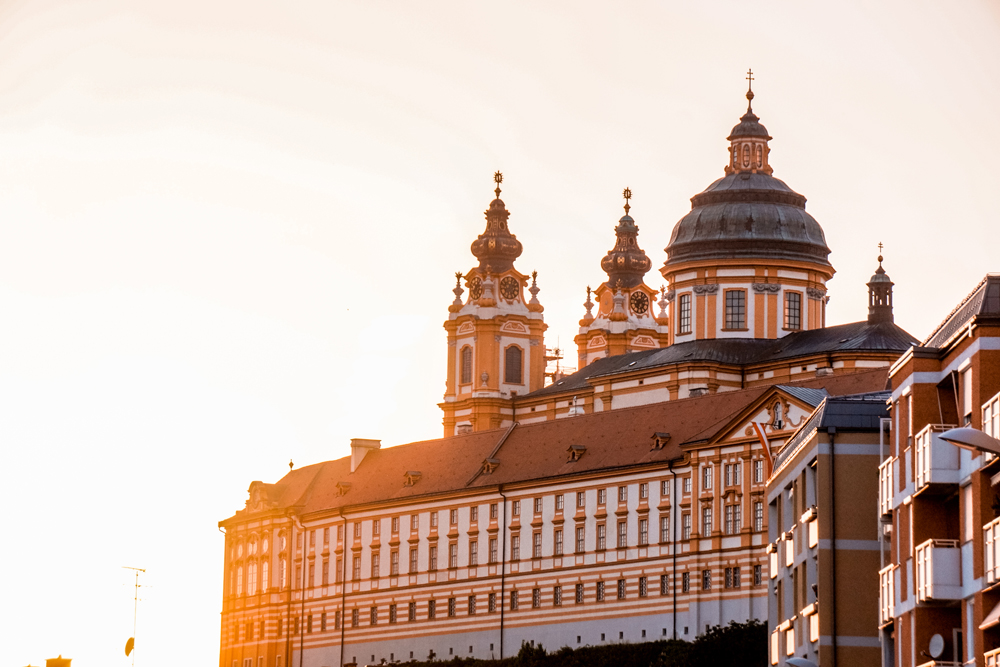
{"x":457,"y":303}
{"x":749,"y":89}
{"x":533,"y":304}
{"x":291,"y":464}
{"x":880,"y":253}
{"x":588,"y":304}
{"x":628,"y":195}
{"x":498,"y":179}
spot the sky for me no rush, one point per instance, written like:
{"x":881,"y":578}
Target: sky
{"x":229,"y":233}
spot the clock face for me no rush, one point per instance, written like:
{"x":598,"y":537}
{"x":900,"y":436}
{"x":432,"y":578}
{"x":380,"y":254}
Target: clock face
{"x":475,"y":288}
{"x":508,"y":288}
{"x":639,"y":302}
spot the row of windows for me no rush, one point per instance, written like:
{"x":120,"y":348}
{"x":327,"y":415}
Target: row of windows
{"x":516,"y":600}
{"x":736,"y":311}
{"x":513,"y":365}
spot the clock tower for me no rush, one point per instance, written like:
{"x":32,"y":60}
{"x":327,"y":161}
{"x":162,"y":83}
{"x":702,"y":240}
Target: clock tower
{"x":626,"y":319}
{"x":496,"y":348}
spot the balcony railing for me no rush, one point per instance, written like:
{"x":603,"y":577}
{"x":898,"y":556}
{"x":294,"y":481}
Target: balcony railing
{"x":991,"y":544}
{"x":937,"y":461}
{"x":885,"y":486}
{"x":886,"y":595}
{"x":992,"y":658}
{"x":939,"y":570}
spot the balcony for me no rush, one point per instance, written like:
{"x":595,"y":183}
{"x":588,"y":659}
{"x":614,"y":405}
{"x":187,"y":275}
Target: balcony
{"x":992,"y":658}
{"x":939,"y":570}
{"x":886,"y":595}
{"x":937,"y":461}
{"x":885,"y":487}
{"x":991,"y":544}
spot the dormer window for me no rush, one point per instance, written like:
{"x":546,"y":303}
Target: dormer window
{"x":489,"y":465}
{"x":343,"y":488}
{"x":576,"y":452}
{"x":411,"y":478}
{"x":660,"y":440}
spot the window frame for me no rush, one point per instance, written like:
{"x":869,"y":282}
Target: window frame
{"x":786,"y":318}
{"x":684,"y":310}
{"x":729,"y":311}
{"x":508,"y":365}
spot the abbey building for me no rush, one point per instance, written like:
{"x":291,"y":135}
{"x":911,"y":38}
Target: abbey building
{"x":626,"y":501}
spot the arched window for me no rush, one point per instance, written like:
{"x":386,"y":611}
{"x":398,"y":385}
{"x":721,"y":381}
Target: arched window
{"x":232,"y":581}
{"x":265,"y":579}
{"x":466,"y":365}
{"x":512,"y":365}
{"x":283,"y":574}
{"x":252,"y":546}
{"x":760,"y":157}
{"x":251,"y":578}
{"x":239,"y":580}
{"x":736,"y":155}
{"x":746,"y":155}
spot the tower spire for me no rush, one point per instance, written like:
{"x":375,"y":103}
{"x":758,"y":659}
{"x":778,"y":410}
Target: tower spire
{"x":496,"y":247}
{"x":626,"y":263}
{"x":880,"y":294}
{"x":749,"y":91}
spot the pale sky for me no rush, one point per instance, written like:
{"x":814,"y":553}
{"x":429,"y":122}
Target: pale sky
{"x":228,"y":233}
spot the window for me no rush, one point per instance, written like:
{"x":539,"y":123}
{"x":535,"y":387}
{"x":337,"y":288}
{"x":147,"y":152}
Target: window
{"x":452,"y":555}
{"x":376,"y":527}
{"x":602,"y":496}
{"x":760,"y":156}
{"x":375,"y":566}
{"x":473,"y":553}
{"x":515,"y":547}
{"x":473,"y":514}
{"x":414,"y":555}
{"x":374,"y":615}
{"x":557,"y":540}
{"x":515,"y":508}
{"x":664,"y":585}
{"x":622,"y":494}
{"x":265,"y":579}
{"x":298,"y":541}
{"x":559,"y":502}
{"x":685,"y":526}
{"x":685,"y":582}
{"x":793,"y":310}
{"x":643,"y":587}
{"x":311,"y":581}
{"x":536,"y":545}
{"x":394,"y":563}
{"x":491,"y":602}
{"x":451,"y":607}
{"x":757,"y":576}
{"x":536,"y":598}
{"x":251,"y":578}
{"x":493,"y":550}
{"x":326,"y":572}
{"x":466,"y":365}
{"x":687,"y":485}
{"x":580,"y":539}
{"x":706,"y":580}
{"x":513,"y":600}
{"x":239,"y":580}
{"x":355,"y":618}
{"x":472,"y":605}
{"x":392,"y":612}
{"x":736,"y":309}
{"x":746,"y":155}
{"x":336,"y":620}
{"x":431,"y":609}
{"x":706,"y":478}
{"x":279,"y":625}
{"x":579,"y":593}
{"x":357,"y":531}
{"x":283,"y":573}
{"x":415,"y":522}
{"x":601,"y":536}
{"x":340,"y":533}
{"x":600,"y":591}
{"x":512,"y":365}
{"x":758,"y":516}
{"x":395,"y":524}
{"x":434,"y":519}
{"x":621,"y":589}
{"x":706,"y":521}
{"x":730,"y":511}
{"x":432,"y":562}
{"x":684,"y":318}
{"x":493,"y":510}
{"x":622,"y":534}
{"x":411,"y":611}
{"x":643,"y":532}
{"x":643,"y":491}
{"x":538,"y":505}
{"x":758,"y":472}
{"x":581,"y":499}
{"x":326,"y":536}
{"x":665,"y":488}
{"x":664,"y":527}
{"x":557,"y":596}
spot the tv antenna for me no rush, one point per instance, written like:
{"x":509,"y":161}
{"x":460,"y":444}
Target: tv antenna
{"x":130,"y":644}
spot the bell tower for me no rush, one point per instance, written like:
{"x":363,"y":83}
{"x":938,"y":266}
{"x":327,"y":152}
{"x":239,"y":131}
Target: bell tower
{"x":496,"y":347}
{"x":880,"y":295}
{"x":625,"y":319}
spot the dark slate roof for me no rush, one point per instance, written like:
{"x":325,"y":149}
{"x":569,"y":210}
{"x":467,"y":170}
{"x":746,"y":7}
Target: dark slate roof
{"x":983,"y":301}
{"x":807,"y":395}
{"x":857,"y":336}
{"x":856,"y":412}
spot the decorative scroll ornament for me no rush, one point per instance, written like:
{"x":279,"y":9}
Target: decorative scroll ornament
{"x":485,"y":377}
{"x":671,"y":295}
{"x":773,"y":288}
{"x":706,"y":289}
{"x":816,"y":292}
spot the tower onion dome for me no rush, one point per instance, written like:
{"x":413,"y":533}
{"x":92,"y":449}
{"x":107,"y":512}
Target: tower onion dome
{"x":496,"y":247}
{"x":748,"y":213}
{"x":626,"y":263}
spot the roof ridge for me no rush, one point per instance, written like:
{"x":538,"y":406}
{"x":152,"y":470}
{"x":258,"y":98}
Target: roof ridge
{"x":954,"y":311}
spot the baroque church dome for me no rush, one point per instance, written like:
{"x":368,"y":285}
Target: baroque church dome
{"x":748,"y":213}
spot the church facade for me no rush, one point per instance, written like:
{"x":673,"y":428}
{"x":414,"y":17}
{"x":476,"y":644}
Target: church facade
{"x":624,"y":502}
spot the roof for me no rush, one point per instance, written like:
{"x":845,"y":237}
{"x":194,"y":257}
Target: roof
{"x":855,"y":336}
{"x":616,"y":439}
{"x":983,"y":301}
{"x":853,"y":412}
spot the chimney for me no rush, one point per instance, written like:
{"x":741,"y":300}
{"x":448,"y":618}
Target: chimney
{"x":360,"y":448}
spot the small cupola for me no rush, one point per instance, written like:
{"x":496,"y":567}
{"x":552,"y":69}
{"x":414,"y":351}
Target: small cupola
{"x":626,"y":263}
{"x":748,"y":149}
{"x":880,"y":295}
{"x":496,"y":247}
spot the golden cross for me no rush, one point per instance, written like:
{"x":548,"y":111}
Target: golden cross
{"x":498,"y":179}
{"x":628,"y":195}
{"x":750,"y":78}
{"x":880,"y":248}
